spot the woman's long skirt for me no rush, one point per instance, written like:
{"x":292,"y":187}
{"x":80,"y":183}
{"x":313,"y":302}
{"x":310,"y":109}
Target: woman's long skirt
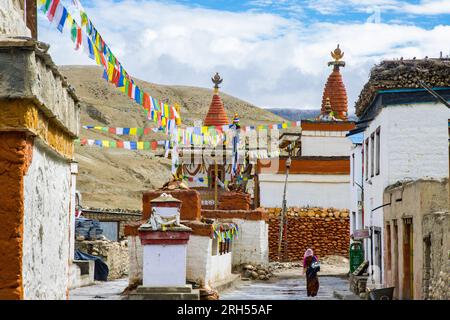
{"x":312,"y":286}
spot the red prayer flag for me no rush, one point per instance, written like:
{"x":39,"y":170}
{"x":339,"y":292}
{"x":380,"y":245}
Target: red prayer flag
{"x":154,"y":145}
{"x":79,"y":39}
{"x":51,"y":12}
{"x":119,"y":144}
{"x":147,"y":130}
{"x":112,"y":130}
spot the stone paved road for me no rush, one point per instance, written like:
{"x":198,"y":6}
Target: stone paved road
{"x":109,"y":290}
{"x":286,"y":286}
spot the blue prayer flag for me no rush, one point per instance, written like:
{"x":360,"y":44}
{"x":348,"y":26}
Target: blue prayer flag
{"x":126,"y":131}
{"x":63,"y":20}
{"x":133,"y":145}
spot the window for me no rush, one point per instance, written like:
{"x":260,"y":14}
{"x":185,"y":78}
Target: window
{"x":366,"y":167}
{"x":372,"y":156}
{"x":353,"y":168}
{"x":354,"y":221}
{"x":377,"y":170}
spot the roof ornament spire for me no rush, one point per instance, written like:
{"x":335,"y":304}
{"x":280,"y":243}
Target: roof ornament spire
{"x":216,"y":80}
{"x":337,"y":55}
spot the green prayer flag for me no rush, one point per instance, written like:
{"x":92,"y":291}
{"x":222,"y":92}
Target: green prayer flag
{"x":140,"y":131}
{"x":147,"y":145}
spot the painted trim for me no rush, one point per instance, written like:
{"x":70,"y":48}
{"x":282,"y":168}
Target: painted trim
{"x":22,"y":115}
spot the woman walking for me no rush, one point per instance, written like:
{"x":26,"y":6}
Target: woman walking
{"x":311,"y":267}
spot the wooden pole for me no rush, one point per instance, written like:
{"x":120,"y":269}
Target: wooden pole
{"x":215,"y":183}
{"x":31,"y":17}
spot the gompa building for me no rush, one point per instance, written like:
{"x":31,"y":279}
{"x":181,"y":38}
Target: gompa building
{"x":313,"y":174}
{"x":319,"y":174}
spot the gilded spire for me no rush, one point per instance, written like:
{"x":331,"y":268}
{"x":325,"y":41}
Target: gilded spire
{"x":216,"y":80}
{"x":337,"y":55}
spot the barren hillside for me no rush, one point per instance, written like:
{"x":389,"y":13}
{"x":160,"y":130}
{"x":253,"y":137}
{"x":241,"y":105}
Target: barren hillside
{"x":115,"y":178}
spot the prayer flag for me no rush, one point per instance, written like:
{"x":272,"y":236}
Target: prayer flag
{"x":52,"y":10}
{"x":62,"y":20}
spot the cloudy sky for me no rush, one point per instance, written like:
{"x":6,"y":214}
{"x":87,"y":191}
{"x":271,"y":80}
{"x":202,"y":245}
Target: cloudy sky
{"x":272,"y":53}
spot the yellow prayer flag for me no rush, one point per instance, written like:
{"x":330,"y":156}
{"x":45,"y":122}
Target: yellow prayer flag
{"x":98,"y":128}
{"x":140,"y":145}
{"x":105,"y":143}
{"x":133,"y":131}
{"x":284,"y":125}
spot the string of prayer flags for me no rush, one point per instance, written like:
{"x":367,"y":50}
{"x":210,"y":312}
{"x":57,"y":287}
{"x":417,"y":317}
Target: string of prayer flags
{"x":225,"y":231}
{"x":123,"y":131}
{"x":165,"y":116}
{"x":120,"y":144}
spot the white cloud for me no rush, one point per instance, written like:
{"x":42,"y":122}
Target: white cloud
{"x":265,"y":59}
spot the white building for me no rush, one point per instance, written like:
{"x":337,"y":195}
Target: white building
{"x":405,"y":137}
{"x":319,"y":175}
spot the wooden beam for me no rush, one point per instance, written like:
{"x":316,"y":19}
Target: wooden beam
{"x":31,"y":17}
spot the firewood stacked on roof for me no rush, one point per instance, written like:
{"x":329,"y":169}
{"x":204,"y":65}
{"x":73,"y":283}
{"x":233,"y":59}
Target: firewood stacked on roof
{"x":398,"y":74}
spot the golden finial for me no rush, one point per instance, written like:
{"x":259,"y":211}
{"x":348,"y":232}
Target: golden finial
{"x":216,"y":80}
{"x":337,"y":54}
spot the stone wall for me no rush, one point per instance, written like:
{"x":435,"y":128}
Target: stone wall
{"x":410,"y":202}
{"x":436,"y":229}
{"x":114,"y":254}
{"x":326,"y":231}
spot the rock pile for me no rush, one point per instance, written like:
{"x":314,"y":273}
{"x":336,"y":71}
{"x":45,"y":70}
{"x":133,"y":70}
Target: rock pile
{"x":258,"y":272}
{"x":114,"y":254}
{"x":208,"y":294}
{"x":311,"y":212}
{"x":325,"y":230}
{"x":396,"y":74}
{"x":234,"y":201}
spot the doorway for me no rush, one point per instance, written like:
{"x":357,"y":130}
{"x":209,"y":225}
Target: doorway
{"x":377,"y":251}
{"x":408,"y":272}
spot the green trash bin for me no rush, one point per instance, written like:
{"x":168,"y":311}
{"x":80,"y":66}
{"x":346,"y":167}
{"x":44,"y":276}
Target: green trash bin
{"x":356,"y":255}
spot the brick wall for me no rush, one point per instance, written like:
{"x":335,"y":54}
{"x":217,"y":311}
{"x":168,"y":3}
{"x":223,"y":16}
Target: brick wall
{"x":326,"y":231}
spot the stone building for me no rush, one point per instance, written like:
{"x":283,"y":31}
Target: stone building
{"x":39,"y":121}
{"x":416,"y":231}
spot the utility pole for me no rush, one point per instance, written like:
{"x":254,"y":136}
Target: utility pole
{"x":283,"y":219}
{"x":215,"y":182}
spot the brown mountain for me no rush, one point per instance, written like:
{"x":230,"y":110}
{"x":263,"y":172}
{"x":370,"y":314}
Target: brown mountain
{"x":115,"y":178}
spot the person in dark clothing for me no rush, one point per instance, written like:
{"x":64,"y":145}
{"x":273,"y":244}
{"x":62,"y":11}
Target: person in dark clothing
{"x":311,"y":267}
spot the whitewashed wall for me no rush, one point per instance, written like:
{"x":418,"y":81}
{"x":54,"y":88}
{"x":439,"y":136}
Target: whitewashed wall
{"x":355,"y":191}
{"x":325,"y":143}
{"x":414,"y":145}
{"x":12,"y":22}
{"x":46,"y":226}
{"x":199,"y":252}
{"x":220,"y":269}
{"x":136,"y":259}
{"x":252,"y":244}
{"x":305,"y":190}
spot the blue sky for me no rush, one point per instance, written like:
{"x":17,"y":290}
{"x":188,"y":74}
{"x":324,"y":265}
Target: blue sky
{"x":270,"y":53}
